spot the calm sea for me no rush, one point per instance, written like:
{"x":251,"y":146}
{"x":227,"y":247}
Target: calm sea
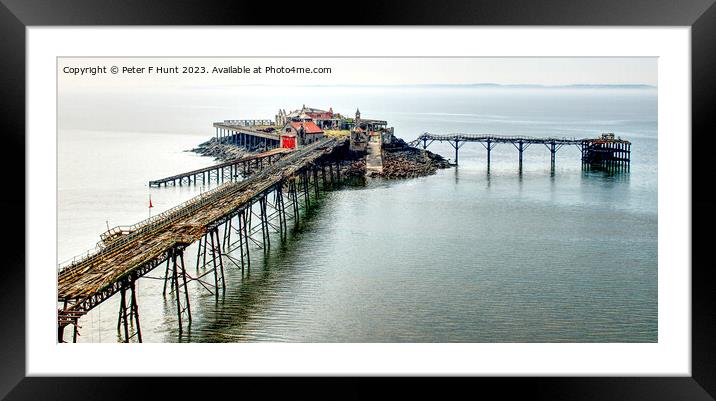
{"x":461,"y":256}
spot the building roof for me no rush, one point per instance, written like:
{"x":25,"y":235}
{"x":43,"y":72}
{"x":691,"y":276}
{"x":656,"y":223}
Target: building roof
{"x":309,"y":127}
{"x":314,"y":110}
{"x":311,"y":112}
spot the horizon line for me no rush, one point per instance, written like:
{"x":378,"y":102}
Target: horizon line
{"x":480,"y":84}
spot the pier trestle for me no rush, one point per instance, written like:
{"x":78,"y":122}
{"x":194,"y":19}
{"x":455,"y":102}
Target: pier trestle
{"x":606,"y":151}
{"x":128,"y":319}
{"x":176,"y":276}
{"x":265,"y":211}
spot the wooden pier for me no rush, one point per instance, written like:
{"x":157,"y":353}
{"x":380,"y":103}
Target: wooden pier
{"x":605,"y":151}
{"x":225,"y":171}
{"x":236,"y":216}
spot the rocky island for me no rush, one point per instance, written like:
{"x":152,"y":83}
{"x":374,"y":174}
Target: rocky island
{"x":374,"y":150}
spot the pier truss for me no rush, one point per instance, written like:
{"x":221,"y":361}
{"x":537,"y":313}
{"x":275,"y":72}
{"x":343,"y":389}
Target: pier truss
{"x":235,"y":216}
{"x":604,"y":151}
{"x":226,"y":171}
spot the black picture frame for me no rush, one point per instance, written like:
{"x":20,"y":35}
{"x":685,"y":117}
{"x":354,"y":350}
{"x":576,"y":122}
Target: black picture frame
{"x":16,"y":15}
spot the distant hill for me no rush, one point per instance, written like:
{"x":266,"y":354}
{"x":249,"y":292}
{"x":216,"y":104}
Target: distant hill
{"x":529,"y":86}
{"x":476,"y":85}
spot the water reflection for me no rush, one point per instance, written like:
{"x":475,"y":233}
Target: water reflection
{"x":608,"y":174}
{"x":251,"y":290}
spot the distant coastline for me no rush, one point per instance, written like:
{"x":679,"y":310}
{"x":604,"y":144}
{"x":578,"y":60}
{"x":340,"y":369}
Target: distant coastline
{"x":472,"y":85}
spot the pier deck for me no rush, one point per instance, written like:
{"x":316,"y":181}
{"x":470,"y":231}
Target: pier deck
{"x":374,"y":158}
{"x":129,"y":253}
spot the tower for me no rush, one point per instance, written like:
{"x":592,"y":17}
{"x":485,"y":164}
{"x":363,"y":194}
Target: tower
{"x":357,"y":118}
{"x":302,"y":135}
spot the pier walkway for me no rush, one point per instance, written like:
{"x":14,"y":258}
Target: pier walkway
{"x":605,"y":150}
{"x":261,"y":203}
{"x":224,"y":171}
{"x":374,"y":158}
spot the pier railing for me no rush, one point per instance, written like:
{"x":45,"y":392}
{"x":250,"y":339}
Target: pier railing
{"x":246,"y":123}
{"x":161,"y":219}
{"x":494,"y":138}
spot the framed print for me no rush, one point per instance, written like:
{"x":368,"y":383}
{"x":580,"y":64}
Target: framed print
{"x":497,"y":200}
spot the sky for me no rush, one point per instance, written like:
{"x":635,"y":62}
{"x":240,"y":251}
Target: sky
{"x":362,"y":71}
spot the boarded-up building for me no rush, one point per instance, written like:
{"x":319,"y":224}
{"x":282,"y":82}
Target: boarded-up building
{"x":324,"y":119}
{"x":305,"y":132}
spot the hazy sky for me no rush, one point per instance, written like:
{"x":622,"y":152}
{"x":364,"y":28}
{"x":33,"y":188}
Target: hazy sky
{"x":367,"y":71}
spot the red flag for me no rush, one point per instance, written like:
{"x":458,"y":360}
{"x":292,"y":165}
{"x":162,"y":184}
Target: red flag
{"x":150,"y":201}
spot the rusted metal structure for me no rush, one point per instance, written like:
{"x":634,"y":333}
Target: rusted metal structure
{"x":236,"y":215}
{"x":605,"y":151}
